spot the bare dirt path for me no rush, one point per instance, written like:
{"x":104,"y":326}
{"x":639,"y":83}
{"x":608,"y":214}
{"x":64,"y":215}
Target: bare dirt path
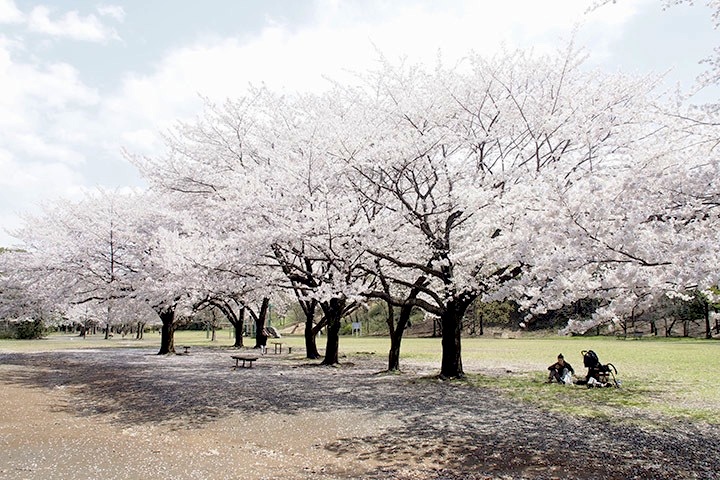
{"x":129,"y":414}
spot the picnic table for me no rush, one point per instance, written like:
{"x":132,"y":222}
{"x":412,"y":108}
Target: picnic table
{"x":244,"y":359}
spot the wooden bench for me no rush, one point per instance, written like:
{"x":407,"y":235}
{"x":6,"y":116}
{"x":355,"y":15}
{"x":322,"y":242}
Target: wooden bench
{"x":187,"y":349}
{"x":248,"y":360}
{"x":278,"y":347}
{"x":637,"y":335}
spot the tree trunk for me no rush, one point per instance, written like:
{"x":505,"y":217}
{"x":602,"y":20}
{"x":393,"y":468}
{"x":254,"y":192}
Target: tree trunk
{"x":238,"y":323}
{"x":167,"y":333}
{"x":669,"y":327}
{"x":396,"y":336}
{"x":333,"y":310}
{"x":395,"y":340}
{"x":310,"y":330}
{"x":260,"y":336}
{"x":708,"y":330}
{"x":238,"y":327}
{"x":451,"y":366}
{"x":396,"y":333}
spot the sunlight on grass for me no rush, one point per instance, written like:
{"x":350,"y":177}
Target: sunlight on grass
{"x":661,"y":378}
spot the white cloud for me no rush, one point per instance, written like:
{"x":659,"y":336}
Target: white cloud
{"x":71,"y":25}
{"x":9,"y":13}
{"x":24,"y":185}
{"x":343,"y":38}
{"x":44,"y":111}
{"x":32,"y":96}
{"x":27,"y":179}
{"x":115,"y":11}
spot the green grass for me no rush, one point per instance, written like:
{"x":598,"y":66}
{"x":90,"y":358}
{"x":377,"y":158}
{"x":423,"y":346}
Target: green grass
{"x":662,"y":379}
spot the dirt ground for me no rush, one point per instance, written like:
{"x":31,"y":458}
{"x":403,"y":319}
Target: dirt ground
{"x":130,"y":414}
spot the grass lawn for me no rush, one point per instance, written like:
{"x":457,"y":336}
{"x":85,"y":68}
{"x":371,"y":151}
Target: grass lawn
{"x":662,"y":379}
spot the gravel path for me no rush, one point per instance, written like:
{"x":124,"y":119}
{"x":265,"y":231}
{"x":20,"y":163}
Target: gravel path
{"x":121,"y":414}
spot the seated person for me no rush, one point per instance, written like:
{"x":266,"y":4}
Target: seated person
{"x":559,"y":370}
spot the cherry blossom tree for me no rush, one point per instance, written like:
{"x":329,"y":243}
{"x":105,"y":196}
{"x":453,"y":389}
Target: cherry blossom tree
{"x":261,"y":160}
{"x":104,"y":250}
{"x":78,"y":252}
{"x":518,"y":177}
{"x":465,"y":165}
{"x":20,"y":299}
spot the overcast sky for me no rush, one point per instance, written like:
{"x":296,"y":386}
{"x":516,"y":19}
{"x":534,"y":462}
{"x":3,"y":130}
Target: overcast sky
{"x":79,"y":80}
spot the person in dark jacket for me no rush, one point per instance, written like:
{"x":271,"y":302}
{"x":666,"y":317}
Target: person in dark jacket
{"x":559,"y":370}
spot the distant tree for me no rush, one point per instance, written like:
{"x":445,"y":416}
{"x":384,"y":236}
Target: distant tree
{"x":495,"y":313}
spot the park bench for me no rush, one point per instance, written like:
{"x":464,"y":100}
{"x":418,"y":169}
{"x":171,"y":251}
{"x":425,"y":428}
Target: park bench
{"x":186,"y":349}
{"x":243,"y":359}
{"x":637,"y":335}
{"x":278,"y":347}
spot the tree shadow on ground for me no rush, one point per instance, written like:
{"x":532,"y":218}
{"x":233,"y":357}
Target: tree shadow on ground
{"x":449,"y":429}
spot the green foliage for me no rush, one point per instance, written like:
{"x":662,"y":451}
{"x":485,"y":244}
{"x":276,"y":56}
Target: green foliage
{"x":715,"y":291}
{"x":489,"y":314}
{"x":373,"y":319}
{"x":29,"y":330}
{"x":556,"y":319}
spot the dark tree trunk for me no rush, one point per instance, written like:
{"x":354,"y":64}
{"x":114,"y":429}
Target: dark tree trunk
{"x":708,"y":330}
{"x":310,"y":330}
{"x":333,"y":311}
{"x":669,"y":327}
{"x":238,"y":324}
{"x":238,"y":327}
{"x":451,"y":365}
{"x":237,"y":321}
{"x":396,"y":336}
{"x":395,"y":340}
{"x":396,"y":332}
{"x":260,"y":335}
{"x":167,"y":333}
